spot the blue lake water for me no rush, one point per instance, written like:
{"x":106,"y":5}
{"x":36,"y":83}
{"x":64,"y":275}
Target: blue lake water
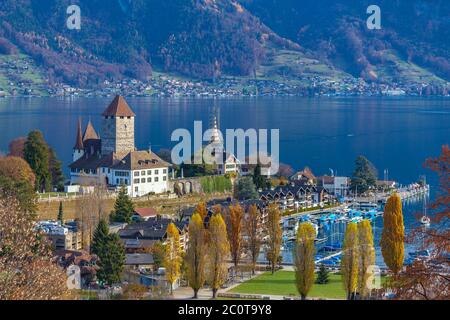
{"x":397,"y":134}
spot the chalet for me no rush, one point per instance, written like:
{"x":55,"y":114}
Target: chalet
{"x":144,"y":214}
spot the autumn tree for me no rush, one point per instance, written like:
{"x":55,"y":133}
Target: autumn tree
{"x":274,"y":233}
{"x":17,"y":169}
{"x":195,"y":255}
{"x":26,"y":269}
{"x":36,"y":153}
{"x":429,"y":280}
{"x":158,"y":251}
{"x":393,"y":235}
{"x":350,"y":260}
{"x":16,"y":147}
{"x":172,"y":259}
{"x":253,"y":230}
{"x":366,"y":256}
{"x":218,"y":251}
{"x":201,"y":210}
{"x":235,"y":216}
{"x":304,"y":254}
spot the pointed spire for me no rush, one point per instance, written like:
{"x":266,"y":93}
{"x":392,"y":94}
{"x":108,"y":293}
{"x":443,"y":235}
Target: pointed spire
{"x":89,"y":133}
{"x":79,"y":140}
{"x":118,"y":108}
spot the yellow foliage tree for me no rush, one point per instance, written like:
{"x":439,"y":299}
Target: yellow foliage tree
{"x":304,"y":258}
{"x":201,"y":210}
{"x":195,"y":255}
{"x":393,"y":235}
{"x":218,"y":251}
{"x":235,"y":217}
{"x":350,"y":260}
{"x":366,"y":256}
{"x":274,"y":233}
{"x":172,"y":258}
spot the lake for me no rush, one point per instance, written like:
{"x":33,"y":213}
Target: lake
{"x":397,"y":134}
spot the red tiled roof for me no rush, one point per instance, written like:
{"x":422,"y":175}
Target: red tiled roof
{"x":146,"y":212}
{"x":118,"y":108}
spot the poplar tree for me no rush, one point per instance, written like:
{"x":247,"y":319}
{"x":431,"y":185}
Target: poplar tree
{"x":274,"y":233}
{"x":393,"y":235}
{"x":61,"y":213}
{"x":235,"y":216}
{"x":350,"y":260}
{"x":304,"y":254}
{"x":36,"y":153}
{"x":195,"y":255}
{"x":218,"y":251}
{"x":201,"y":210}
{"x":366,"y":256}
{"x":172,"y":258}
{"x":253,"y":233}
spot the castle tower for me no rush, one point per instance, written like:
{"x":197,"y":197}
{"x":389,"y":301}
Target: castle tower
{"x":214,"y":126}
{"x":78,"y":149}
{"x":118,"y":128}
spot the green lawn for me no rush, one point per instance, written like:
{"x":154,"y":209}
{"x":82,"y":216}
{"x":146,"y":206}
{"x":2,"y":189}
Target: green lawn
{"x":282,"y":283}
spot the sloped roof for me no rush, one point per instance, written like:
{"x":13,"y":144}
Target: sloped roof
{"x":79,"y":139}
{"x":89,"y":133}
{"x":118,"y":108}
{"x":146,"y":212}
{"x":140,"y":160}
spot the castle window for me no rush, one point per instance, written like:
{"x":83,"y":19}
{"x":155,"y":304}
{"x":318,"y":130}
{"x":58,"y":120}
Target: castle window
{"x":142,"y":173}
{"x":149,"y":180}
{"x":149,"y":172}
{"x":156,"y":179}
{"x":143,"y":180}
{"x":156,"y":171}
{"x":136,"y":174}
{"x":165,"y":171}
{"x":121,"y":117}
{"x":126,"y":181}
{"x":137,"y":180}
{"x":165,"y":178}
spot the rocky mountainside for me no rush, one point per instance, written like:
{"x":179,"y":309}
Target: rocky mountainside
{"x":211,"y":39}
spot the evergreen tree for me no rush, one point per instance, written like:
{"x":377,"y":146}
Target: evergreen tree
{"x":36,"y":154}
{"x":123,"y":207}
{"x":322,"y":275}
{"x":260,"y":181}
{"x":61,"y":213}
{"x":393,"y":235}
{"x":364,"y":176}
{"x":246,"y":189}
{"x":100,"y":238}
{"x":56,"y":170}
{"x":111,"y":261}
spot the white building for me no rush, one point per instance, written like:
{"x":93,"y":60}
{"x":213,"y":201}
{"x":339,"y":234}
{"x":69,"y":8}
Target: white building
{"x":338,"y":186}
{"x":113,"y":159}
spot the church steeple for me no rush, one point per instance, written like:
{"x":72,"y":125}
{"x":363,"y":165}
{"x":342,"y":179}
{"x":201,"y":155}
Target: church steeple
{"x":89,"y":133}
{"x":79,"y":138}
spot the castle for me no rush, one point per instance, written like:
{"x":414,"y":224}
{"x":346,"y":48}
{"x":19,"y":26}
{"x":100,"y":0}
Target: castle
{"x":113,"y":160}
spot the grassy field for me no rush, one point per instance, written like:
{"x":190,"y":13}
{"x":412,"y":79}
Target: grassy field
{"x":282,"y":284}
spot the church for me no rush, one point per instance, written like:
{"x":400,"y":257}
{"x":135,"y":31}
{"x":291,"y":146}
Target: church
{"x":112,"y":160}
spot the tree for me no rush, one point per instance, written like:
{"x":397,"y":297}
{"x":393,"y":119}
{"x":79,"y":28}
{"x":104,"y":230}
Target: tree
{"x":159,"y":252}
{"x":172,"y":259}
{"x":364,"y":176}
{"x":123,"y":207}
{"x":253,"y":232}
{"x":350,"y":260}
{"x":274,"y":233}
{"x":218,"y":251}
{"x":16,"y":147}
{"x":201,"y":210}
{"x":366,"y":256}
{"x":22,"y":191}
{"x":393,"y":235}
{"x":195,"y":255}
{"x":17,"y":169}
{"x":235,"y":216}
{"x":134,"y":291}
{"x":55,"y":170}
{"x":246,"y":189}
{"x":61,"y":213}
{"x":429,"y":280}
{"x":111,"y":261}
{"x":26,"y":268}
{"x":100,"y":238}
{"x":36,"y":154}
{"x":322,"y":275}
{"x":304,"y":254}
{"x":260,"y":181}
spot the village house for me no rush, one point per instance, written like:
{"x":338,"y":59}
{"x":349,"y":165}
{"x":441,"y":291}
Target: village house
{"x":113,"y":160}
{"x":140,"y":237}
{"x":61,"y":236}
{"x":143,"y":214}
{"x":337,"y":186}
